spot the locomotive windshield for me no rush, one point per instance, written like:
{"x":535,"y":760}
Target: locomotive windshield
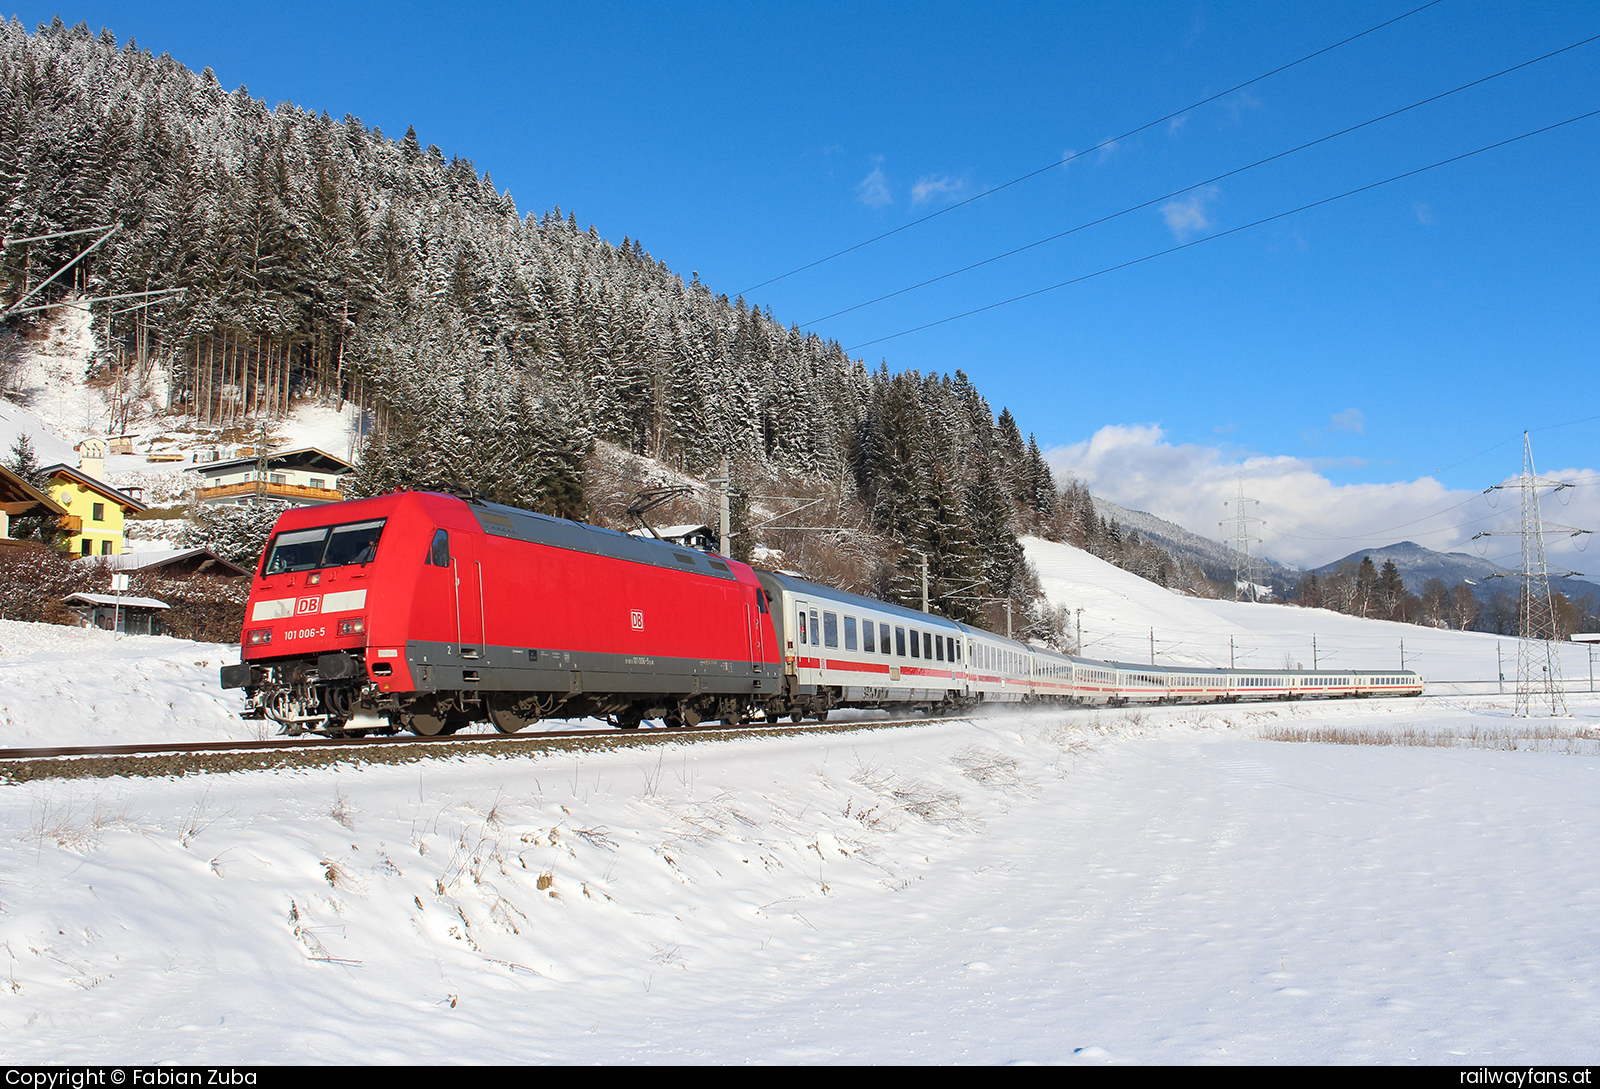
{"x":325,"y":546}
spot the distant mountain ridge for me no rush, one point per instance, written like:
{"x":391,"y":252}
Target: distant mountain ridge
{"x":1417,"y":565}
{"x":1213,"y":557}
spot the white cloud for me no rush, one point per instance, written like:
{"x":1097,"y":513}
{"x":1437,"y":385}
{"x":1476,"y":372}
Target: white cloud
{"x":929,"y":188}
{"x":1350,"y":419}
{"x":1423,"y":213}
{"x":1176,"y":124}
{"x":1067,"y":155}
{"x":1185,"y":217}
{"x":1310,"y":520}
{"x":873,"y":190}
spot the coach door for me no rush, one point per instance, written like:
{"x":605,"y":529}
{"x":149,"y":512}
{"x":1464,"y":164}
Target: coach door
{"x":468,"y":572}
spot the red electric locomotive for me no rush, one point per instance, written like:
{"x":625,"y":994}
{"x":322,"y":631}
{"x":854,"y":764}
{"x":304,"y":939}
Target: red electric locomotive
{"x":424,"y":611}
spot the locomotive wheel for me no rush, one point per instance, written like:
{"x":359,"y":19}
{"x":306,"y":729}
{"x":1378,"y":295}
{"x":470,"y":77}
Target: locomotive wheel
{"x":424,"y":723}
{"x":503,"y":713}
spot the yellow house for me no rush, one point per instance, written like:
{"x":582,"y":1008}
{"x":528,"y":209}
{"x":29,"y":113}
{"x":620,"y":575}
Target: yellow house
{"x":95,"y":511}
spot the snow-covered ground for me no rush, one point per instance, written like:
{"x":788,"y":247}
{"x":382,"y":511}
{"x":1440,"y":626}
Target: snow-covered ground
{"x":1115,"y":886}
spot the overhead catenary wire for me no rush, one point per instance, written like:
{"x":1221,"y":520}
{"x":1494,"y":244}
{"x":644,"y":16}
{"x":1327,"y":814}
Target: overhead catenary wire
{"x":1224,"y":234}
{"x":1103,"y":144}
{"x":1200,"y":184}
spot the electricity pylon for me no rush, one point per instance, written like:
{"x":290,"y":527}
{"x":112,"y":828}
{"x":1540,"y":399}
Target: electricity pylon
{"x":1243,"y":569}
{"x":1538,"y":660}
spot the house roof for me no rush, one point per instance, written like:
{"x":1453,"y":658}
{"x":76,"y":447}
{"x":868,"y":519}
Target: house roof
{"x":164,"y":557}
{"x":123,"y":499}
{"x":306,"y":457}
{"x":15,"y":492}
{"x":112,"y":599}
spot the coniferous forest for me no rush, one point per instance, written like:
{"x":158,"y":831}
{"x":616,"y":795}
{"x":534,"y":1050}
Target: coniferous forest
{"x":522,"y":357}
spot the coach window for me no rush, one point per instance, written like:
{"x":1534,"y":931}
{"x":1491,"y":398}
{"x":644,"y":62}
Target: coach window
{"x":850,"y":633}
{"x":938,"y":646}
{"x":802,"y":627}
{"x":816,"y":631}
{"x":830,"y":629}
{"x":927,"y":644}
{"x":866,"y":636}
{"x":883,"y":637}
{"x":900,"y":641}
{"x":916,"y":644}
{"x":439,"y":554}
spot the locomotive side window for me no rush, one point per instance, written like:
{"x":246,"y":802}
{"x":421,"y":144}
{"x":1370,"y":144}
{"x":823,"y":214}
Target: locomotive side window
{"x":439,"y":554}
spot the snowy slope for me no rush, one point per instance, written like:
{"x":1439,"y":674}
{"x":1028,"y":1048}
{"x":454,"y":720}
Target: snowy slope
{"x":1120,"y":612}
{"x":1105,"y":888}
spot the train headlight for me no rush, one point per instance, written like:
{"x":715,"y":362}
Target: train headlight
{"x":356,"y":625}
{"x":258,"y":637}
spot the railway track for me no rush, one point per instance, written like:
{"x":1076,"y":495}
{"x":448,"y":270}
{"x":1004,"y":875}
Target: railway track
{"x":221,"y":757}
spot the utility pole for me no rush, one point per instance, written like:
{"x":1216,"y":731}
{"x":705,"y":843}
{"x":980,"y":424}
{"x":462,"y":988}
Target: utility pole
{"x":925,"y":607}
{"x":1313,"y":651}
{"x":1152,"y":646}
{"x":1243,"y":570}
{"x":724,"y":484}
{"x":1080,"y":629}
{"x":1538,"y":655}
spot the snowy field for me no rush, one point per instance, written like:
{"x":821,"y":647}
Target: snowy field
{"x":1124,"y":886}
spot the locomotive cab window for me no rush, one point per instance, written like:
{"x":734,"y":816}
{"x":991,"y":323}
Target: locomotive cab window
{"x":439,"y":553}
{"x":325,"y":546}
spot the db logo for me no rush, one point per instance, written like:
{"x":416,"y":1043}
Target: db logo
{"x":638,"y":619}
{"x":307,"y":605}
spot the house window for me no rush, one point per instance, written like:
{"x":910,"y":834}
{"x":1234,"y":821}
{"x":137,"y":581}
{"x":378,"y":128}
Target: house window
{"x":99,"y":512}
{"x":105,"y":548}
{"x":316,"y":482}
{"x":276,"y":478}
{"x":86,"y":546}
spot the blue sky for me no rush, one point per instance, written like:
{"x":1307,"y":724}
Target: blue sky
{"x":1353,"y":362}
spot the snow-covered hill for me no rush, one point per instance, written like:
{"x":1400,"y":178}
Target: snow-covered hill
{"x":1122,"y":612}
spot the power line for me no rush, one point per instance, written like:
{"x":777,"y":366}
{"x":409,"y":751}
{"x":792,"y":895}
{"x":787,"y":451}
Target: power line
{"x":1224,"y":234}
{"x":1103,"y":144}
{"x":1209,"y":181}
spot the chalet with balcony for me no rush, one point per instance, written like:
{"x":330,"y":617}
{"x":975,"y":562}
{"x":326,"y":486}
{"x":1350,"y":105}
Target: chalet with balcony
{"x":95,"y":511}
{"x":303,"y":477}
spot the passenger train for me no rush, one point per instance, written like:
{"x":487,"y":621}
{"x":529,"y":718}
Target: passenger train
{"x":426,"y":612}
